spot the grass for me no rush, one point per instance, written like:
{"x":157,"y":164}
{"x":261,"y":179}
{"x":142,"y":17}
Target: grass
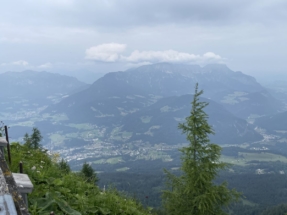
{"x":234,"y":98}
{"x":127,"y":135}
{"x":154,"y":155}
{"x":149,"y":132}
{"x":263,"y":156}
{"x":247,"y":157}
{"x":59,"y":117}
{"x":99,"y":161}
{"x":114,"y":160}
{"x":67,"y":192}
{"x":165,"y":109}
{"x":72,"y":135}
{"x":89,"y":134}
{"x":116,"y":134}
{"x":249,"y":203}
{"x":82,"y":126}
{"x":146,"y":119}
{"x":122,"y":169}
{"x":26,"y":124}
{"x":57,"y":139}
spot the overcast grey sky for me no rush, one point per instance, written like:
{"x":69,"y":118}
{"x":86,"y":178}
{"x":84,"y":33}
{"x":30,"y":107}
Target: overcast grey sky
{"x":70,"y":36}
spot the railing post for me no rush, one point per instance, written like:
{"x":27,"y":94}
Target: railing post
{"x":21,"y":167}
{"x":8,"y":144}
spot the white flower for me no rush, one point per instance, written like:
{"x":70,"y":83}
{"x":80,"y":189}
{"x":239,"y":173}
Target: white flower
{"x":42,"y":162}
{"x":33,"y":168}
{"x":41,"y":167}
{"x":38,"y":171}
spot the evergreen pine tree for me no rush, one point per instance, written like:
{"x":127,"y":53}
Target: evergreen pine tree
{"x":89,"y":173}
{"x":36,"y":138}
{"x":64,"y":166}
{"x":33,"y":141}
{"x":193,"y":192}
{"x":27,"y":140}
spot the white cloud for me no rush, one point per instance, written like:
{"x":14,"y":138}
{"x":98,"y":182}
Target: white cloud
{"x":171,"y":56}
{"x":161,"y":56}
{"x":211,"y":55}
{"x":111,"y":53}
{"x":21,"y":63}
{"x":45,"y":66}
{"x":133,"y":65}
{"x":105,"y":52}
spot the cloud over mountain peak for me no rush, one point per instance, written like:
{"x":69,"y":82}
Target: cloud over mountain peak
{"x":112,"y":52}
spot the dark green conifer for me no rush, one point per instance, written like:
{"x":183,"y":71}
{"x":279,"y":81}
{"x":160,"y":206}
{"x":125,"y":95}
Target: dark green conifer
{"x":36,"y":138}
{"x":64,"y":166}
{"x":33,"y":141}
{"x":89,"y":173}
{"x":193,"y":192}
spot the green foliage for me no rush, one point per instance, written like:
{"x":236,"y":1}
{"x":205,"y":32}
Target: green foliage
{"x":66,"y":192}
{"x":193,"y":192}
{"x":89,"y":174}
{"x":276,"y":210}
{"x":64,"y":166}
{"x":33,"y":141}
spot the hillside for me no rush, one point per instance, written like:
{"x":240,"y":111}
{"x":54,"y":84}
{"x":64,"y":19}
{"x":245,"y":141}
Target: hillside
{"x":273,"y":123}
{"x":127,"y":118}
{"x":31,"y":91}
{"x":64,"y":192}
{"x":31,"y":84}
{"x":158,"y":123}
{"x":237,"y":92}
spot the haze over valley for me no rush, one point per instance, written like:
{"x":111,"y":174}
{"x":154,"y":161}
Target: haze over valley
{"x":126,"y":122}
{"x":133,"y":115}
{"x":107,"y":83}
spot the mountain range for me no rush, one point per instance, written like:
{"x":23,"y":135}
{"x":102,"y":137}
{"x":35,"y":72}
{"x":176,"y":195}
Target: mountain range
{"x":145,"y":103}
{"x":237,"y":92}
{"x":23,"y":89}
{"x":31,"y":84}
{"x":149,"y":101}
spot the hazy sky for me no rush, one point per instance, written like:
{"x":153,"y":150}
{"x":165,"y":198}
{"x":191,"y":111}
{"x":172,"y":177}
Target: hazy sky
{"x":70,"y":36}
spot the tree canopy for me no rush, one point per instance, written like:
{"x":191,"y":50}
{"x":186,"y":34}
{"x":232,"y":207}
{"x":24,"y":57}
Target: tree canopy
{"x":66,"y":192}
{"x":33,"y":141}
{"x":193,"y":192}
{"x":89,"y":173}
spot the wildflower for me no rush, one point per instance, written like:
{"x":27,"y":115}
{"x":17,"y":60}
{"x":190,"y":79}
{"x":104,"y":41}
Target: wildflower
{"x":42,"y":161}
{"x":33,"y":168}
{"x":38,"y":171}
{"x":41,"y":167}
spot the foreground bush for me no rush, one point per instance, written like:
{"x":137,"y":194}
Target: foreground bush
{"x":65,"y":192}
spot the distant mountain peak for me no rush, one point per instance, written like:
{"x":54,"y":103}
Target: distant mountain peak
{"x":184,"y":69}
{"x":37,"y":84}
{"x":222,"y":68}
